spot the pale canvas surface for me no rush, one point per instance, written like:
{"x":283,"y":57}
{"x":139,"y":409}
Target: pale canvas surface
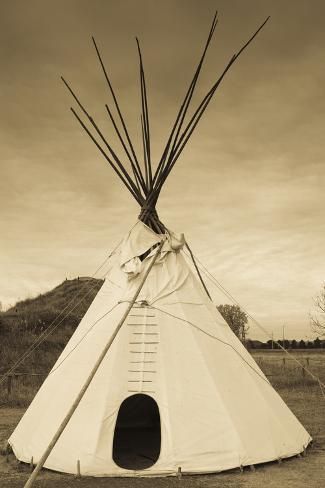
{"x":217,"y":409}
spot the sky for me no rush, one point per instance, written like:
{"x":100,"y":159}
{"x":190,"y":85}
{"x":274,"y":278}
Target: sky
{"x":248,"y":191}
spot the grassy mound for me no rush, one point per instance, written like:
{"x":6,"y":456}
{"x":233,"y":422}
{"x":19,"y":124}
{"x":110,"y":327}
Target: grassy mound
{"x":61,"y":309}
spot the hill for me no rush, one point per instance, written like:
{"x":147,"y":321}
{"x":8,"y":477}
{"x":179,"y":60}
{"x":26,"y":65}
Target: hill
{"x":37,"y":313}
{"x":61,"y":309}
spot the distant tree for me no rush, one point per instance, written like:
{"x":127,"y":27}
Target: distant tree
{"x":269,"y":344}
{"x":317,"y":343}
{"x":310,"y":344}
{"x":302,"y":344}
{"x":236,"y":319}
{"x":286,"y":344}
{"x":294,"y":344}
{"x":317,"y":320}
{"x":250,"y":344}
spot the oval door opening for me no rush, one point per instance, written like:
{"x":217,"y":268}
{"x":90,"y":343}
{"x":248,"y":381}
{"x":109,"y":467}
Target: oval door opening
{"x":137,"y":436}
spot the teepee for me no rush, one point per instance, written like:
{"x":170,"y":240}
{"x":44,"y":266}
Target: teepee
{"x":153,"y":381}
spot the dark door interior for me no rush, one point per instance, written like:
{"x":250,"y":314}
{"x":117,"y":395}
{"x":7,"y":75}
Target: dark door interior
{"x":137,"y":436}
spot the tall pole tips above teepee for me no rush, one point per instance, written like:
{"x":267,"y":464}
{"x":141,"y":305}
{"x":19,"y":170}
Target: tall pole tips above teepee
{"x":143,"y":181}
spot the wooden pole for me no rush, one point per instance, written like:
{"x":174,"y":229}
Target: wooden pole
{"x":185,"y":104}
{"x":124,"y":146}
{"x":83,"y":390}
{"x":136,"y":162}
{"x":137,"y":196}
{"x":7,"y":452}
{"x":198,"y":271}
{"x":9,"y":385}
{"x":283,"y":337}
{"x":184,"y":137}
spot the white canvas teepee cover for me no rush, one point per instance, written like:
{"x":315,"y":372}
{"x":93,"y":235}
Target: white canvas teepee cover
{"x":217,"y":409}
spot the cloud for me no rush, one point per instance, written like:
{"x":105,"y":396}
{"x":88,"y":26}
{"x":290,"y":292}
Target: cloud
{"x":248,"y":189}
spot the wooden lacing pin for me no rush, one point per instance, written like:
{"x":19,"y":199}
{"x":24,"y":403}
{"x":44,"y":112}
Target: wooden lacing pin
{"x":78,"y":469}
{"x":241,"y":468}
{"x":31,"y":464}
{"x":252,"y":468}
{"x":304,"y":452}
{"x":279,"y":461}
{"x":179,"y":473}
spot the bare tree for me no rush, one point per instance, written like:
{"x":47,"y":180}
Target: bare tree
{"x":317,"y":320}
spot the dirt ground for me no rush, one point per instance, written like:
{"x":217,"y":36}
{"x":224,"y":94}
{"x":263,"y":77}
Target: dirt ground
{"x":308,"y":471}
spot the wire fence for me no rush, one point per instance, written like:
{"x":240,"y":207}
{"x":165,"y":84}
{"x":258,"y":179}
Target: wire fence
{"x":21,"y":387}
{"x":284,"y":371}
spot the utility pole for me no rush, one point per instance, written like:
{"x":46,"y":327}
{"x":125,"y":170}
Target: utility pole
{"x":272,"y":339}
{"x":283,"y":328}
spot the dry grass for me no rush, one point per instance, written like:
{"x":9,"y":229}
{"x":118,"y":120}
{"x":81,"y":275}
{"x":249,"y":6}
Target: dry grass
{"x":22,"y":325}
{"x":284,"y":372}
{"x":287,"y":375}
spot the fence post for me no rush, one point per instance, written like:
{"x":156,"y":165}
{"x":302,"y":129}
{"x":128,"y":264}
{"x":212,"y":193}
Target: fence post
{"x":9,"y":385}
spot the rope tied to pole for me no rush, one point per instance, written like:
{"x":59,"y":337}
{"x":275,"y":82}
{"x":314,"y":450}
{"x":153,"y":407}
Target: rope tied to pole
{"x":226,"y":292}
{"x":149,"y":216}
{"x":59,"y":319}
{"x":65,"y":421}
{"x":148,"y":212}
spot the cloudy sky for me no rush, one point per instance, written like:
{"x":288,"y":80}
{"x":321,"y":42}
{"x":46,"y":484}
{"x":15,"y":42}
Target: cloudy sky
{"x":248,"y":191}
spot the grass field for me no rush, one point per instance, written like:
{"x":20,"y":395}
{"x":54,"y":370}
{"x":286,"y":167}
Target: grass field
{"x":300,"y":392}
